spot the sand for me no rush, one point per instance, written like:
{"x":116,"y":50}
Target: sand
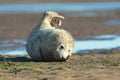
{"x":20,"y":25}
{"x":79,"y":67}
{"x":92,"y":66}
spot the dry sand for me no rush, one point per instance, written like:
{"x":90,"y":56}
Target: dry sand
{"x":79,"y":67}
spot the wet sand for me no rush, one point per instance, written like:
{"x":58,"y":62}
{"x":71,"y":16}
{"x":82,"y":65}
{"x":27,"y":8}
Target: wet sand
{"x":18,"y":26}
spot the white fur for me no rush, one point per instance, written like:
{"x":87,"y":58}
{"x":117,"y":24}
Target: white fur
{"x":46,"y":44}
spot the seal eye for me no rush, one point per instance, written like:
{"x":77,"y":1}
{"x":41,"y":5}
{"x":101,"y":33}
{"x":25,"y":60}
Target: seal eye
{"x":62,"y":47}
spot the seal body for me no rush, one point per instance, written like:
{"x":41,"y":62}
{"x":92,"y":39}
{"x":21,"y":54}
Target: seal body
{"x":50,"y":45}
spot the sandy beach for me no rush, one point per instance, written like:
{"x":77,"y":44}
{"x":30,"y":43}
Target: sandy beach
{"x":91,"y":66}
{"x":85,"y":67}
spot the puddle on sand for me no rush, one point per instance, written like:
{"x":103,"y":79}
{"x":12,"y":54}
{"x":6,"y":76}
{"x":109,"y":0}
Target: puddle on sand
{"x":112,"y":22}
{"x":13,"y":47}
{"x":33,"y":8}
{"x":17,"y":51}
{"x":105,"y":37}
{"x":17,"y":47}
{"x":103,"y":43}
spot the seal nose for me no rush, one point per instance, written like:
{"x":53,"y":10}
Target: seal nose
{"x":64,"y":59}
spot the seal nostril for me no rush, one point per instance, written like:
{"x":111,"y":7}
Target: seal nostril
{"x":68,"y":50}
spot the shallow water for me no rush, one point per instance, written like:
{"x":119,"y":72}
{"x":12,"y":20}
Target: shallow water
{"x":13,"y":47}
{"x":112,"y":22}
{"x":33,"y":8}
{"x":17,"y":47}
{"x":105,"y":42}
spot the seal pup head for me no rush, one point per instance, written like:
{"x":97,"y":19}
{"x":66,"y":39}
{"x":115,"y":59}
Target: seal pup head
{"x":63,"y":52}
{"x":64,"y":45}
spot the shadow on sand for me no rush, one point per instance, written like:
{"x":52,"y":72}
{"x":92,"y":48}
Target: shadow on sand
{"x":15,"y":59}
{"x":4,"y":58}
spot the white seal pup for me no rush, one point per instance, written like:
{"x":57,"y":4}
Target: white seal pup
{"x":51,"y":45}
